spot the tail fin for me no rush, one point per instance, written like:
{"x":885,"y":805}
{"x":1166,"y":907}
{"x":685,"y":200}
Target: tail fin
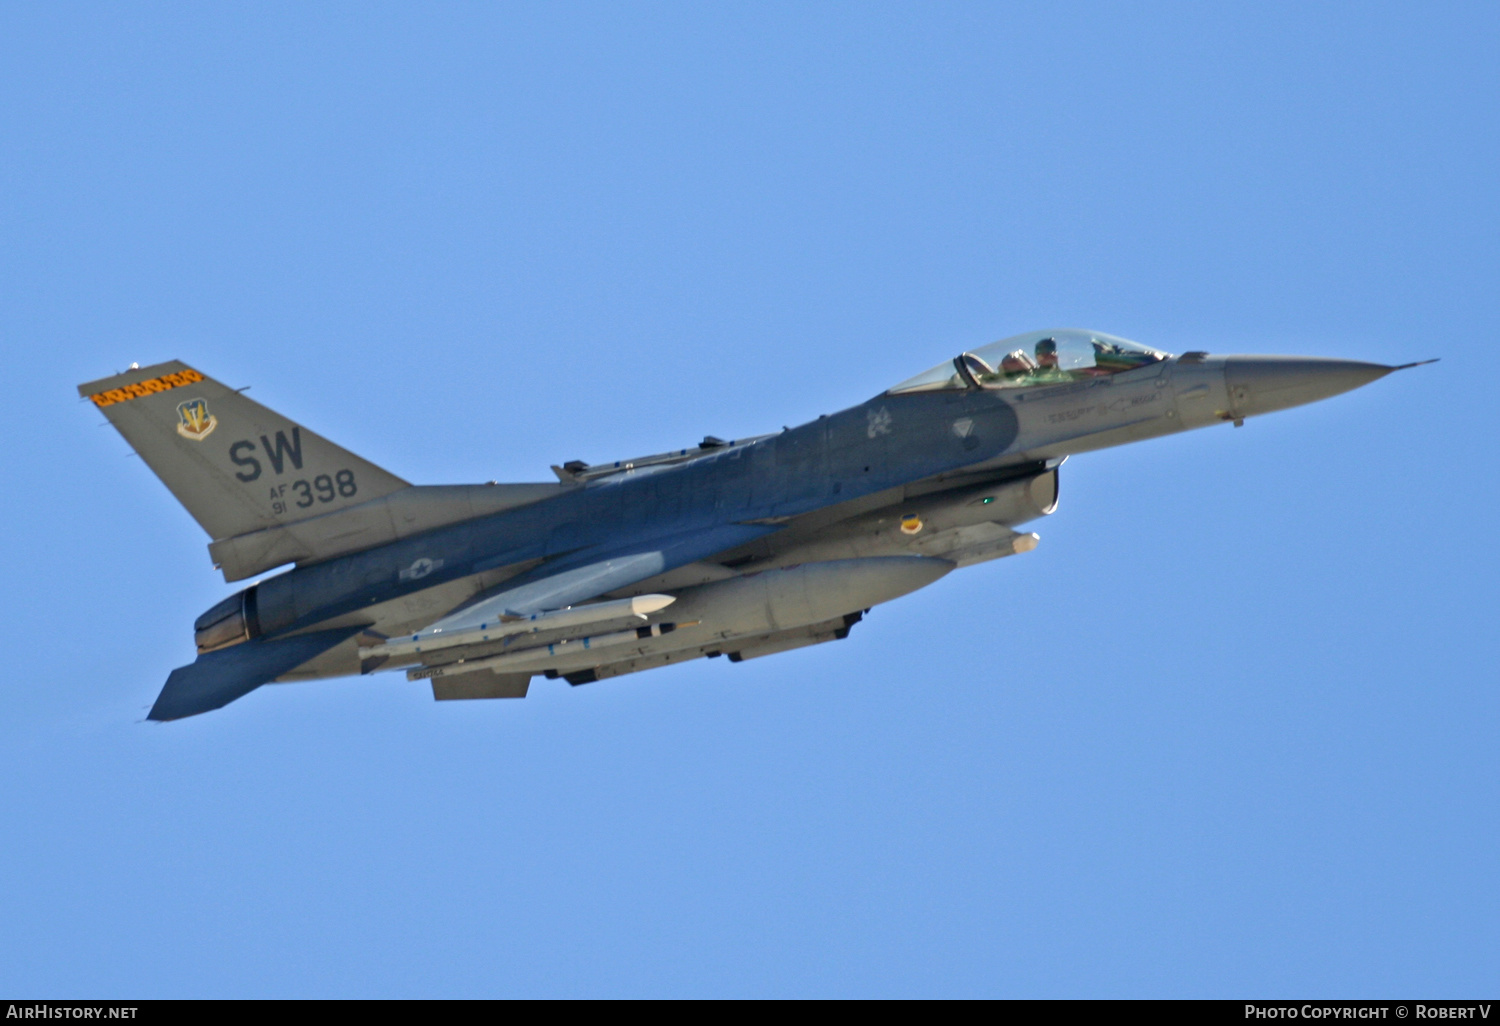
{"x":236,"y":466}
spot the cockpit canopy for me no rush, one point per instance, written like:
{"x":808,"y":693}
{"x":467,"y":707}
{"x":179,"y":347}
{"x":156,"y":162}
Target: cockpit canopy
{"x":1036,"y":358}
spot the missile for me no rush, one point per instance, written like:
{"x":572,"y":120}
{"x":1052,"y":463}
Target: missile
{"x":543,"y":656}
{"x":509,"y":626}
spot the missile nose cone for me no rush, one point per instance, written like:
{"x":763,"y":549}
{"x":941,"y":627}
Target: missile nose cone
{"x":643,"y":605}
{"x":1264,"y":384}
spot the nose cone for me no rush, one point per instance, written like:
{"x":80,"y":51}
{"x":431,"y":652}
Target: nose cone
{"x":1264,"y":384}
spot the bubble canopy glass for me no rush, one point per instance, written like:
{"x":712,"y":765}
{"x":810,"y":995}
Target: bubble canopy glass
{"x":1036,"y":358}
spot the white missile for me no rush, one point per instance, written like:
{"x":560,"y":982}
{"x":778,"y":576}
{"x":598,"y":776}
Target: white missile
{"x":543,"y":656}
{"x":450,"y":634}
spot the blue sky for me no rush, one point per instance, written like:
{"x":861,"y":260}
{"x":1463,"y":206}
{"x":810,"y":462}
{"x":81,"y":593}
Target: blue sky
{"x":1229,"y":731}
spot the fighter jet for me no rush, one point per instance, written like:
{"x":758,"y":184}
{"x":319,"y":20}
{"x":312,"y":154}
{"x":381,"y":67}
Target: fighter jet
{"x":741,"y":548}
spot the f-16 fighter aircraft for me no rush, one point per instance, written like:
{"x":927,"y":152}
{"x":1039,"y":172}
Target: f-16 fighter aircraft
{"x":740,"y":548}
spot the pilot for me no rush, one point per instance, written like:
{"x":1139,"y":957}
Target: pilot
{"x":1048,"y":367}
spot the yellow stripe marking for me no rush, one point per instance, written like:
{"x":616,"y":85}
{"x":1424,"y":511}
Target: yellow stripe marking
{"x":148,"y":387}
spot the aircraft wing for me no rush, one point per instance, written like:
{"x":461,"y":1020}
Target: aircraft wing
{"x":593,"y":572}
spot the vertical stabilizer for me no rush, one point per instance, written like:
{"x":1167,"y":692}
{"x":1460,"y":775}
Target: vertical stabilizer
{"x":237,"y":466}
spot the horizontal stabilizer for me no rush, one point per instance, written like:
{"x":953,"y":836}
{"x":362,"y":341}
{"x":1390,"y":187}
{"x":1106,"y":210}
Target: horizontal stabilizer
{"x":215,"y":679}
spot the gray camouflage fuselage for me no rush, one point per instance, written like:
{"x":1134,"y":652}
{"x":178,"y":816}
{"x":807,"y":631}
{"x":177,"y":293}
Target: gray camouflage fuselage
{"x":850,"y":509}
{"x":836,"y":463}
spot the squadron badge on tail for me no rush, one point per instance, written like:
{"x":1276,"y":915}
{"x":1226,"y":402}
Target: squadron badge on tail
{"x":194,"y":422}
